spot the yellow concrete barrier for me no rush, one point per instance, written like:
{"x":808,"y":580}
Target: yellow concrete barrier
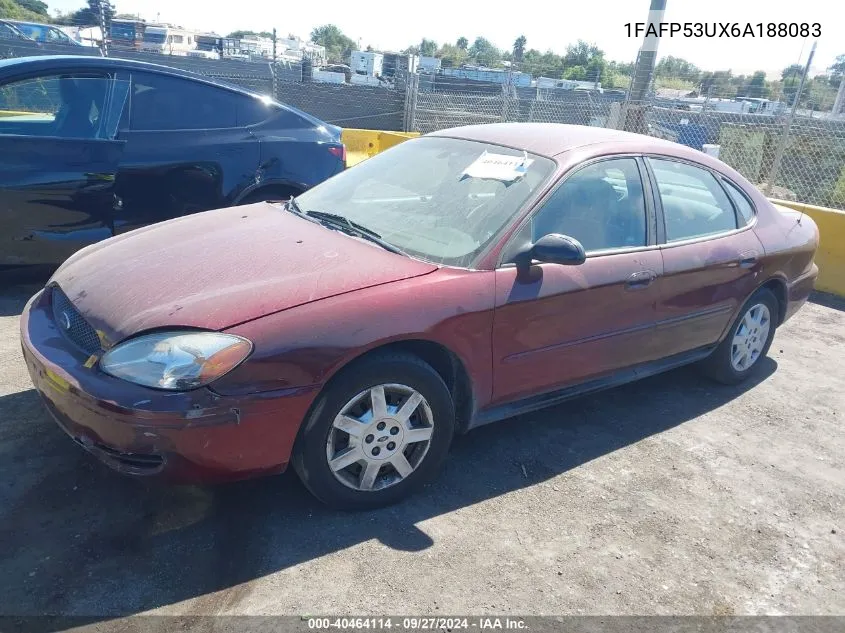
{"x":830,"y":257}
{"x":362,"y":144}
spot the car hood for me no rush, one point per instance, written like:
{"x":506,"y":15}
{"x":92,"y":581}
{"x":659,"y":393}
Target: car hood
{"x":219,"y":268}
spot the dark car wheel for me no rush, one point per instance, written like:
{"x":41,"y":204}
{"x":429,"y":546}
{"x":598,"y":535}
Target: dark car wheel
{"x":747,"y":341}
{"x":380,"y":430}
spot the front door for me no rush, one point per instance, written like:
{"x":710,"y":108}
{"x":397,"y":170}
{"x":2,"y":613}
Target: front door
{"x":58,"y":162}
{"x":568,"y":324}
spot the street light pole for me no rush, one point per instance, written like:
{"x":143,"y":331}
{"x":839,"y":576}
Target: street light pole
{"x":648,"y":51}
{"x":773,"y":174}
{"x":644,"y":69}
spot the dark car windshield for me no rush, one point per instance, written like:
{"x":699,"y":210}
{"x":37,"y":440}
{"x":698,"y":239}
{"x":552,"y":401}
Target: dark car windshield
{"x":439,"y":199}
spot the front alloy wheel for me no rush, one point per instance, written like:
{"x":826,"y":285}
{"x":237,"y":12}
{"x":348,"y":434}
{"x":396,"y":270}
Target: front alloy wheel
{"x":380,"y":437}
{"x":379,"y":430}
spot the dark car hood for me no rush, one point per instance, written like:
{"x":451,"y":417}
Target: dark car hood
{"x":219,"y":268}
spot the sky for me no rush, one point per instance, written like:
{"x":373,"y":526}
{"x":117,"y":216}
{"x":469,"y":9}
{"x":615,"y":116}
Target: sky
{"x":547,"y":24}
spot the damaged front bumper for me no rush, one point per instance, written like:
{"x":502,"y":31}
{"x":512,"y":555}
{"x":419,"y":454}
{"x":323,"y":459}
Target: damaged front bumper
{"x":192,"y":436}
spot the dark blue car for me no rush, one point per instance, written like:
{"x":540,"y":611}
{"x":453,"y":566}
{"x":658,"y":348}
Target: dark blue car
{"x":92,"y":147}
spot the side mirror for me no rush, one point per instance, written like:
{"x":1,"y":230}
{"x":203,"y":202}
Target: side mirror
{"x":553,"y":248}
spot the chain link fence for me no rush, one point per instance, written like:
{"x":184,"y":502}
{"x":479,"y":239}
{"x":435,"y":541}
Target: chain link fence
{"x":789,"y":152}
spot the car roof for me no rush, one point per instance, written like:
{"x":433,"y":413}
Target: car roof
{"x":69,"y":62}
{"x":27,"y":22}
{"x":552,"y":139}
{"x":46,"y":62}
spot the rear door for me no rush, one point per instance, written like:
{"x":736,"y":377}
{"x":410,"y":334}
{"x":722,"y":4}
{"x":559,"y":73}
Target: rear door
{"x":58,"y":161}
{"x":186,"y":150}
{"x":711,"y":257}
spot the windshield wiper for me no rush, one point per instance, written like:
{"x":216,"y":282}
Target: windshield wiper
{"x":293,"y":206}
{"x":345,"y":224}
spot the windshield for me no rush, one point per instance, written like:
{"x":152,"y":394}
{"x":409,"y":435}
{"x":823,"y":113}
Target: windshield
{"x":439,"y":199}
{"x":123,"y":31}
{"x":8,"y":31}
{"x":154,"y":38}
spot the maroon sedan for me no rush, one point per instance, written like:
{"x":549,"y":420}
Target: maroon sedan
{"x":454,"y":280}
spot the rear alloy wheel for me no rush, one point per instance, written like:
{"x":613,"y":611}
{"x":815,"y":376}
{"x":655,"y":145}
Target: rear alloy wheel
{"x":380,"y":430}
{"x":747,"y":341}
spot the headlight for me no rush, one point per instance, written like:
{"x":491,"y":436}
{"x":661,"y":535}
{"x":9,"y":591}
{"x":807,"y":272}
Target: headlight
{"x":176,"y":360}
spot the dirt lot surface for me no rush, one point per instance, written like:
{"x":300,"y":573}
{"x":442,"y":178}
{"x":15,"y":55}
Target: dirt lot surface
{"x":669,"y":496}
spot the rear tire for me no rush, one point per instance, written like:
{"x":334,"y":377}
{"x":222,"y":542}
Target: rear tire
{"x":748,"y":340}
{"x":379,"y":431}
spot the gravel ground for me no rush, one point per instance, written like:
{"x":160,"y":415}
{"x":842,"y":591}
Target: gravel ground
{"x":668,"y":496}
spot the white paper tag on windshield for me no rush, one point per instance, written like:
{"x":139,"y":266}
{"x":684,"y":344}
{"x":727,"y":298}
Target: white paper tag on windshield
{"x":501,"y":167}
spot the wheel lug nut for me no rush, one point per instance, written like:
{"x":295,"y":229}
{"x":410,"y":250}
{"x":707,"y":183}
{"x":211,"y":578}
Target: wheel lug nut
{"x":369,"y":439}
{"x":381,"y":426}
{"x":394,"y":430}
{"x":391,"y":446}
{"x":376,"y":450}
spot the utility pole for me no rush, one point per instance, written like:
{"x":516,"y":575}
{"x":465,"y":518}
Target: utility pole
{"x":104,"y":46}
{"x":644,"y":68}
{"x":274,"y":44}
{"x":782,"y":147}
{"x":840,"y":98}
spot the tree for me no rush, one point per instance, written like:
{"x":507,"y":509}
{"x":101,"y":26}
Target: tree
{"x":90,"y":15}
{"x":36,"y":6}
{"x":670,"y":67}
{"x":519,"y":48}
{"x":718,"y":84}
{"x":451,"y":56}
{"x":483,"y":52}
{"x":428,"y":47}
{"x":837,"y":70}
{"x":339,"y":47}
{"x":583,"y":61}
{"x":791,"y":77}
{"x":462,"y":43}
{"x":238,"y":35}
{"x":756,"y":86}
{"x":12,"y":10}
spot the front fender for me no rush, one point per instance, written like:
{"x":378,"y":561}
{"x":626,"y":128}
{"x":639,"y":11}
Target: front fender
{"x":307,"y":345}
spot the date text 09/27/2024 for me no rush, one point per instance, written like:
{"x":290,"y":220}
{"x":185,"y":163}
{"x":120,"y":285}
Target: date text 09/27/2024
{"x":416,"y":623}
{"x":723,"y":29}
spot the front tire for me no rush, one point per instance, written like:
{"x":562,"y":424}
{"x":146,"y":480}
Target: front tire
{"x":379,"y":431}
{"x":747,"y":341}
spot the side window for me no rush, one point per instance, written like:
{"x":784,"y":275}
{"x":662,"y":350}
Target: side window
{"x":694,"y":204}
{"x":252,"y":110}
{"x":740,"y":200}
{"x":160,"y":102}
{"x":65,"y":106}
{"x":601,"y":205}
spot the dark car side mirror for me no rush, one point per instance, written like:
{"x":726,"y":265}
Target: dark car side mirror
{"x":553,"y":248}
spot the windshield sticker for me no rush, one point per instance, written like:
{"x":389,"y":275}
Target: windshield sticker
{"x":501,"y":167}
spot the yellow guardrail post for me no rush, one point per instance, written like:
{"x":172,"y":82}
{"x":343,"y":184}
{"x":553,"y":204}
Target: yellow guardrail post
{"x":363,"y":144}
{"x":830,"y":257}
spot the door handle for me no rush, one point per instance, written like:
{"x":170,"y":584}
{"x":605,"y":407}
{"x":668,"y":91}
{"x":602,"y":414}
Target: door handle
{"x":748,"y":262}
{"x":640,"y":279}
